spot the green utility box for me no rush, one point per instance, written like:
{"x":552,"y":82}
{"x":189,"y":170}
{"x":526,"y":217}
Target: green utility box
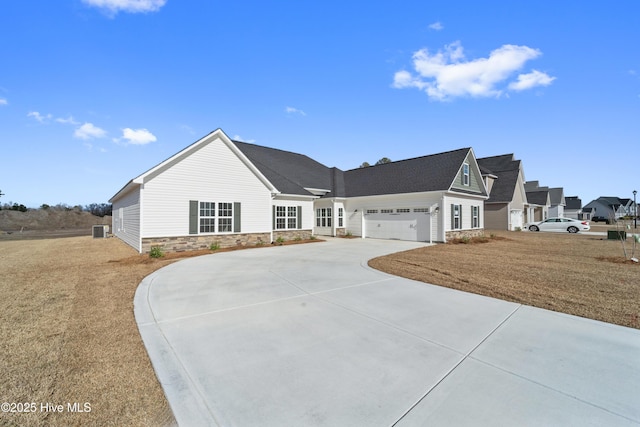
{"x":616,"y":235}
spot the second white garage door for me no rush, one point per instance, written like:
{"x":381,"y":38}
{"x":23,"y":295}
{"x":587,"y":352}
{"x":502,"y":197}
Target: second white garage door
{"x":398,"y":224}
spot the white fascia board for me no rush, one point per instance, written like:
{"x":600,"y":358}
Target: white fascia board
{"x":284,"y":196}
{"x":129,"y":186}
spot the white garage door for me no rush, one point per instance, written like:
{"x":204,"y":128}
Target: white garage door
{"x":397,"y":224}
{"x":516,"y":219}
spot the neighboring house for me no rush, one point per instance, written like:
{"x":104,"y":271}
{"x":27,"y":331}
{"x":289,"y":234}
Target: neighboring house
{"x":504,"y":179}
{"x":608,"y":207}
{"x":628,"y":206}
{"x":234,"y":193}
{"x":573,"y":209}
{"x":539,"y":201}
{"x":557,"y":202}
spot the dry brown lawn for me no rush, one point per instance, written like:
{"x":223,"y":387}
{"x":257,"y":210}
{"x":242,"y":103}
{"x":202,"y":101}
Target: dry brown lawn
{"x":68,"y":334}
{"x":576,"y":274}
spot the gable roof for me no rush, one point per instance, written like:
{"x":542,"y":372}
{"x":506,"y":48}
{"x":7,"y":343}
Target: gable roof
{"x":435,"y":172}
{"x":556,"y":196}
{"x":540,"y":197}
{"x":507,"y":171}
{"x":291,"y":173}
{"x":217,"y":134}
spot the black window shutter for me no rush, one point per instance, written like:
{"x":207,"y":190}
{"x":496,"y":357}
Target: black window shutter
{"x":193,"y":217}
{"x":273,"y":217}
{"x":452,"y":216}
{"x":237,"y":215}
{"x":299,"y":219}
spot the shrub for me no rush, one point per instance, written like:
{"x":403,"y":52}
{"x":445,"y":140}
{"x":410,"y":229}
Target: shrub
{"x":313,"y":237}
{"x":297,"y":238}
{"x":156,"y":252}
{"x":214,"y":246}
{"x":280,"y":240}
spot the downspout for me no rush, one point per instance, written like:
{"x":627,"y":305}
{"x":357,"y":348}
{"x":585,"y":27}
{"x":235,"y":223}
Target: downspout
{"x":273,"y":196}
{"x":443,"y":222}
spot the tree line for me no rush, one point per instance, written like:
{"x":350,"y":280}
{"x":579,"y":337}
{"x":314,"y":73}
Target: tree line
{"x":97,"y":209}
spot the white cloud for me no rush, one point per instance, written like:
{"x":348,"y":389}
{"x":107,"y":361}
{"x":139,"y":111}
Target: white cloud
{"x":132,"y":6}
{"x":437,"y":26}
{"x":530,"y":80}
{"x":88,"y":131}
{"x":137,"y":136}
{"x":68,"y":121}
{"x":3,"y":101}
{"x":39,"y":117}
{"x":291,"y":110}
{"x":447,"y":74}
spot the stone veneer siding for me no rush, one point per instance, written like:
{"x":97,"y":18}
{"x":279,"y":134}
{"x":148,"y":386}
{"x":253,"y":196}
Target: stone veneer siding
{"x":459,"y":234}
{"x":292,"y":234}
{"x":193,"y":242}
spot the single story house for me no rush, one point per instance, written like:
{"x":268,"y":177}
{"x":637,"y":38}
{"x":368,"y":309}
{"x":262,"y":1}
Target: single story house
{"x":608,"y":207}
{"x":234,"y":193}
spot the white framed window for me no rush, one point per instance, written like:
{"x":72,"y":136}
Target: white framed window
{"x":372,"y":211}
{"x":403,"y":210}
{"x":225,"y":217}
{"x":456,"y":217}
{"x":286,"y":217}
{"x":207,"y":217}
{"x":281,"y":217}
{"x":323,"y":217}
{"x":386,"y":210}
{"x":340,"y":217}
{"x":475,"y":216}
{"x":465,"y":174}
{"x":425,"y":210}
{"x":214,"y":217}
{"x":292,"y":217}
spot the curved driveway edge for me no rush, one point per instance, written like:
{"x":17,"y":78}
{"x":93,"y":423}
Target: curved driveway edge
{"x":310,"y":335}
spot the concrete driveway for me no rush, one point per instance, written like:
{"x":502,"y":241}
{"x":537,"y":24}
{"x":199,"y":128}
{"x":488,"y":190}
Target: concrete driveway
{"x":308,"y":335}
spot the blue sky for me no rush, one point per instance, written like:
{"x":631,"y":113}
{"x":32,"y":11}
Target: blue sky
{"x":95,"y":92}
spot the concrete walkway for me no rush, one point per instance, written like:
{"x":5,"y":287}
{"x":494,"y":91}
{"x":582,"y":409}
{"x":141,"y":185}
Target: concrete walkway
{"x":308,"y":335}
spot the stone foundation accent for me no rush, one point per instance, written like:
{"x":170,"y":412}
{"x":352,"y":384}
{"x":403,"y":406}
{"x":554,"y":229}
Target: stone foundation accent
{"x":459,"y":234}
{"x":194,"y":242}
{"x":292,"y":234}
{"x":341,"y":232}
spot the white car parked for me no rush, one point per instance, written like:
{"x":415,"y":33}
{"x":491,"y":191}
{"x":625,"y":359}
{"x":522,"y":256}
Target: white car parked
{"x":560,"y":224}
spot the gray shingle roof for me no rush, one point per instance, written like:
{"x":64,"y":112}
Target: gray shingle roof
{"x":573,"y":202}
{"x":507,"y":170}
{"x":555,"y":195}
{"x":538,"y":197}
{"x":290,"y":172}
{"x":435,"y":172}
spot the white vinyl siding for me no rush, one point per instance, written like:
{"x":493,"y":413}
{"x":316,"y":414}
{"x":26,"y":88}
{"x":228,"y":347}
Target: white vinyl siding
{"x":305,"y":213}
{"x":167,"y":195}
{"x":466,"y":220}
{"x":126,"y":218}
